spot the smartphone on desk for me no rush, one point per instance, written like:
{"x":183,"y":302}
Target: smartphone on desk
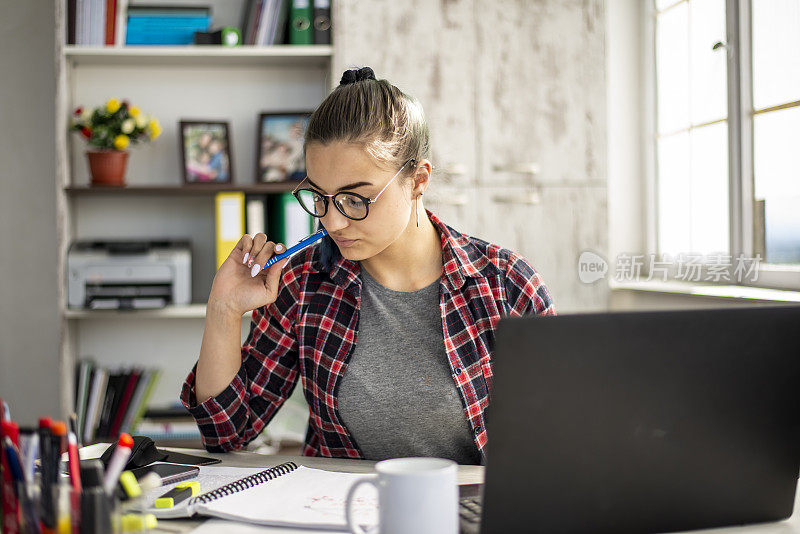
{"x":169,"y":473}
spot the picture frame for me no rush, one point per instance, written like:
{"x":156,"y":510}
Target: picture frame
{"x":279,"y":146}
{"x":206,"y":150}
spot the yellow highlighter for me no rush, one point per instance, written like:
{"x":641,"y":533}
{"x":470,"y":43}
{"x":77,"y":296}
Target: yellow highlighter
{"x":130,"y":484}
{"x":138,"y":522}
{"x":178,"y":494}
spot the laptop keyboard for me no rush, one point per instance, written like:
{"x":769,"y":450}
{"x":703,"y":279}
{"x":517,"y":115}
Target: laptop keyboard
{"x":469,"y":512}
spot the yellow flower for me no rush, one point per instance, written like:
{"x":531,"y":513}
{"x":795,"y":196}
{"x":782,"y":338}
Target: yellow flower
{"x":121,"y":142}
{"x":112,"y":105}
{"x":155,"y":128}
{"x":134,"y":111}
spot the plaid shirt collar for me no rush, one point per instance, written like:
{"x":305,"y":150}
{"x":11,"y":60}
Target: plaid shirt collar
{"x":459,"y":258}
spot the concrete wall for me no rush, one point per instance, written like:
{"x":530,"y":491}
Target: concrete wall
{"x":29,"y":331}
{"x":504,"y":84}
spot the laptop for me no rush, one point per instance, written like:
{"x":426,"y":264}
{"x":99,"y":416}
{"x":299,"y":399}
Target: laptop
{"x":643,"y":422}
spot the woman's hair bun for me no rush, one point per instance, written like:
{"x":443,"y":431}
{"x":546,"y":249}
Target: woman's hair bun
{"x":356,"y":75}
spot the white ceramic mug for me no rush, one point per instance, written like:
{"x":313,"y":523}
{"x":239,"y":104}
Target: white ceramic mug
{"x":418,"y":495}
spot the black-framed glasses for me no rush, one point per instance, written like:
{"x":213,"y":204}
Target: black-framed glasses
{"x":351,"y":205}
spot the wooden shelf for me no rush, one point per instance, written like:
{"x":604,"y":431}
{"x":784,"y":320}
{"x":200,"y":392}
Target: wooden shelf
{"x":206,"y":55}
{"x":192,"y":311}
{"x":178,"y":190}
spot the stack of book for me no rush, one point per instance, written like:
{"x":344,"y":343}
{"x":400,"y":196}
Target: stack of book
{"x":264,"y":22}
{"x":93,"y":22}
{"x":170,"y":427}
{"x":165,"y":25}
{"x":267,"y":22}
{"x":109,"y":401}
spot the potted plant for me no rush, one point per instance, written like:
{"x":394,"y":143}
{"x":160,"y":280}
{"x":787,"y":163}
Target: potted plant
{"x":109,"y":130}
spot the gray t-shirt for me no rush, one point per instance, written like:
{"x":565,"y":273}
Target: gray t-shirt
{"x":397,"y":397}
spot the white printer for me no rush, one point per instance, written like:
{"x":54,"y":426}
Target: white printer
{"x":129,"y":274}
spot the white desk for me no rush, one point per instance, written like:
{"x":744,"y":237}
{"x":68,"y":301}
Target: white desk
{"x":467,"y":474}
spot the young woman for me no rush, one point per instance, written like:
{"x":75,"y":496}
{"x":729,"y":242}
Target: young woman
{"x":388,"y":323}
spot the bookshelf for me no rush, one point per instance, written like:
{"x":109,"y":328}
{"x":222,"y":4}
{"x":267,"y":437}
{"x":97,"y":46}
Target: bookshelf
{"x":178,"y":191}
{"x":276,"y":55}
{"x":171,"y":83}
{"x":191,"y":311}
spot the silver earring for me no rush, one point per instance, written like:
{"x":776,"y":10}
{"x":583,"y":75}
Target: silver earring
{"x":416,"y":209}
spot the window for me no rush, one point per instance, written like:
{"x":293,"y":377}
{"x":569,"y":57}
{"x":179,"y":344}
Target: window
{"x":727,"y":113}
{"x":776,"y":127}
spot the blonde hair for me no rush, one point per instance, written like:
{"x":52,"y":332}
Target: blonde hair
{"x":375,"y":114}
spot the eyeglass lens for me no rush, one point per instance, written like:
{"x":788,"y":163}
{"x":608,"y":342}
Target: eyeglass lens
{"x":348,"y":204}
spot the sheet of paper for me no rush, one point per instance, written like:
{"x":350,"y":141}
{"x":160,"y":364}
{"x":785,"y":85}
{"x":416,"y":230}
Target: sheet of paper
{"x":215,"y":526}
{"x":305,"y":497}
{"x":309,"y":497}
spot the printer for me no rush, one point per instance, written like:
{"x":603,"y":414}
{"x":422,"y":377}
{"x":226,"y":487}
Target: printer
{"x":128,"y":274}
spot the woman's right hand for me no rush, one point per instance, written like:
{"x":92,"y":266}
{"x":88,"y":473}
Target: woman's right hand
{"x":234,"y":289}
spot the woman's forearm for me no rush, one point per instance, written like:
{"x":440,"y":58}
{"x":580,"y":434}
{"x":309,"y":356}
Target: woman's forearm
{"x":220,"y":352}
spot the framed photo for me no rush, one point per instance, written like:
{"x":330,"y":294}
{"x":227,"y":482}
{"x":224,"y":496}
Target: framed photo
{"x":280,"y":146}
{"x":206,"y":152}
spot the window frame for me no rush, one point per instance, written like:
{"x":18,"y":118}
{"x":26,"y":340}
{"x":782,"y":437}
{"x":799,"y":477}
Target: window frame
{"x":741,"y":185}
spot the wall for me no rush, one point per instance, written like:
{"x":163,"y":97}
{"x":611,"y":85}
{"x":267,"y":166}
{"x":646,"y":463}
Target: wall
{"x":625,"y":62}
{"x":29,"y":330}
{"x":505,"y":84}
{"x":534,"y":92}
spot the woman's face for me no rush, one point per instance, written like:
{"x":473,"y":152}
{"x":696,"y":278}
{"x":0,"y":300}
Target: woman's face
{"x":347,"y":167}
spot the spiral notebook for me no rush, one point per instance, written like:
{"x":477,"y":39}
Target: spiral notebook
{"x":286,"y":495}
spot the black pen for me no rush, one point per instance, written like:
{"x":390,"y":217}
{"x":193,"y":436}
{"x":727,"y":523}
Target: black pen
{"x":45,"y":452}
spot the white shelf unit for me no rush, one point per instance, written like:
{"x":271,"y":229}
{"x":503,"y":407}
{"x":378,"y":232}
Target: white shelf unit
{"x":297,"y":55}
{"x":191,"y":311}
{"x":171,"y":83}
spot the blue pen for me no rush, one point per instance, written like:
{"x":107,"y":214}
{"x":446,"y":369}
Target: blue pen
{"x":21,"y":491}
{"x":305,"y":242}
{"x":14,"y":464}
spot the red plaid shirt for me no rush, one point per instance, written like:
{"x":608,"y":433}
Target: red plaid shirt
{"x":310,"y":331}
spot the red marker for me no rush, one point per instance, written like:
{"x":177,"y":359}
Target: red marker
{"x":75,"y":479}
{"x":74,"y":466}
{"x":10,"y":503}
{"x":117,"y":463}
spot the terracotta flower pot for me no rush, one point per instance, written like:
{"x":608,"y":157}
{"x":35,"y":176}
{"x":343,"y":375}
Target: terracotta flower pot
{"x":107,"y":167}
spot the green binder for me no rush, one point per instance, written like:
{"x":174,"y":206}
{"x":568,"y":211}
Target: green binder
{"x":288,"y":221}
{"x":300,"y":29}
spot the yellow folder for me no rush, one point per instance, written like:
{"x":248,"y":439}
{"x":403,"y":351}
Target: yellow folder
{"x":230,"y":222}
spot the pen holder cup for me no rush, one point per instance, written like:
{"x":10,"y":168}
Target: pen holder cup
{"x":99,"y":513}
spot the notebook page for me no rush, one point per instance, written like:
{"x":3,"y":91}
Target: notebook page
{"x":210,"y":478}
{"x":215,"y":526}
{"x":306,"y":497}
